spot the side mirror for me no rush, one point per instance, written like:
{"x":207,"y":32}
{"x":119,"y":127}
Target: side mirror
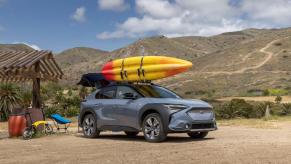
{"x":129,"y":96}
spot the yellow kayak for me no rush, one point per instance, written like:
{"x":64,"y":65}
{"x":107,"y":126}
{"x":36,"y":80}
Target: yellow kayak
{"x":144,"y":68}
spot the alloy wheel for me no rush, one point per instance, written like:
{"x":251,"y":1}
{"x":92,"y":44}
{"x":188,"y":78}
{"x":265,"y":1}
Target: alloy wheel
{"x":88,"y":126}
{"x":152,"y":128}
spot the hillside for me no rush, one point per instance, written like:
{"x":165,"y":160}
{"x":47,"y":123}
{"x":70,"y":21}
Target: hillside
{"x":229,"y":64}
{"x":15,"y":47}
{"x":77,"y":61}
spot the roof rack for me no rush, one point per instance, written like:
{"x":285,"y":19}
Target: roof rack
{"x":97,"y":80}
{"x":148,"y":82}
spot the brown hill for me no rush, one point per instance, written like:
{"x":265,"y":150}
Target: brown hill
{"x":15,"y":47}
{"x":231,"y":63}
{"x":77,"y":61}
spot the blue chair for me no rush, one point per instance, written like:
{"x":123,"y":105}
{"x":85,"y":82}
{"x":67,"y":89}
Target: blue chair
{"x":59,"y":120}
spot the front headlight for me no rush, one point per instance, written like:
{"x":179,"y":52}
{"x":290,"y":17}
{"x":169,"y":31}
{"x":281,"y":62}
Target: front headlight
{"x":175,"y":107}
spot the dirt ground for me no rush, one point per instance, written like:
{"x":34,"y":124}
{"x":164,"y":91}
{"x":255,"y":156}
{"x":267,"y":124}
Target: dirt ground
{"x":230,"y":144}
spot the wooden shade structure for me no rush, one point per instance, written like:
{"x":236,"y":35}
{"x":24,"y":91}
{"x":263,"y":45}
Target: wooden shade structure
{"x":19,"y":66}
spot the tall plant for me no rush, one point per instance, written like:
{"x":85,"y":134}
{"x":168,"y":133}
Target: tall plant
{"x":26,"y":98}
{"x":9,"y":97}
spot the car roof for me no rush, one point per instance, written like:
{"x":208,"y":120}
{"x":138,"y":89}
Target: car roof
{"x":134,"y":85}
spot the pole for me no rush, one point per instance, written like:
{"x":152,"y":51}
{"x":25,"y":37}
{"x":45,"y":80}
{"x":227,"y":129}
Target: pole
{"x":36,"y":102}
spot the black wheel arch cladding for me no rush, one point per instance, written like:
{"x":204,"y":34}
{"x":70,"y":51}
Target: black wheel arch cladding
{"x":155,"y":108}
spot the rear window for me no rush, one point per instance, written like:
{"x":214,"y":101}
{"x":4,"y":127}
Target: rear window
{"x":107,"y":93}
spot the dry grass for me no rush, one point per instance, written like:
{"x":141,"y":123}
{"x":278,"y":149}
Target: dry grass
{"x":273,"y":123}
{"x":3,"y":126}
{"x":285,"y":99}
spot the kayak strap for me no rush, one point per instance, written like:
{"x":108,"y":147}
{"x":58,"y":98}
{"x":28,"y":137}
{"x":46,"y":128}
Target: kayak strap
{"x":123,"y":74}
{"x":141,"y":71}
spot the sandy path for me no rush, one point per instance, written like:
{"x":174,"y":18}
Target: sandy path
{"x":229,"y":144}
{"x":259,"y":65}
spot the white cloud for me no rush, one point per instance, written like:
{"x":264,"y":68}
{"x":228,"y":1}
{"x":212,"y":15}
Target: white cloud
{"x":114,"y":5}
{"x":157,"y":8}
{"x":79,"y":15}
{"x":201,"y":17}
{"x":34,"y":46}
{"x":268,"y":12}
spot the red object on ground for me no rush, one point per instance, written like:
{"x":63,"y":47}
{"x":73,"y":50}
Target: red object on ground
{"x":16,"y":125}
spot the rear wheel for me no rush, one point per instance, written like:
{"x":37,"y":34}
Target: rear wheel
{"x":197,"y":135}
{"x":48,"y":129}
{"x":131,"y":134}
{"x":90,"y":126}
{"x":153,"y":128}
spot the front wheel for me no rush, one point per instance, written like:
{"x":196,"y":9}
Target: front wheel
{"x":197,"y":135}
{"x":153,"y":128}
{"x":90,"y":127}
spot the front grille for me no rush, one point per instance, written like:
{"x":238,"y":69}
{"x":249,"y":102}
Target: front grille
{"x":200,"y":110}
{"x":203,"y":126}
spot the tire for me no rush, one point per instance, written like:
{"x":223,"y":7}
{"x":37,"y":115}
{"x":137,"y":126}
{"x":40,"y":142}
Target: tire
{"x":27,"y":133}
{"x":89,"y":126}
{"x":48,"y":129}
{"x":131,"y":134}
{"x":197,"y":135}
{"x":153,"y":128}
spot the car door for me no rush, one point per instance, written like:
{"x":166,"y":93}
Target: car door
{"x":126,"y":109}
{"x":105,"y":106}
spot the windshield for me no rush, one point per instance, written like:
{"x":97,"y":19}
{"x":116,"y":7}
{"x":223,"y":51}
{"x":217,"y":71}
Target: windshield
{"x":155,"y":91}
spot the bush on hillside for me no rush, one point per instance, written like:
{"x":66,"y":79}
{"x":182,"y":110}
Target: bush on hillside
{"x":278,"y":92}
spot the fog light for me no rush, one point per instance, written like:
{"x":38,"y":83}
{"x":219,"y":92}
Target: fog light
{"x":187,"y":126}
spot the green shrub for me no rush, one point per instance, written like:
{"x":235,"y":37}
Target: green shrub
{"x":62,"y":105}
{"x":286,"y":109}
{"x":72,"y":111}
{"x":266,"y":92}
{"x":26,"y":98}
{"x":9,"y":98}
{"x":277,"y":92}
{"x":51,"y":110}
{"x":278,"y":99}
{"x":238,"y":108}
{"x":233,"y":109}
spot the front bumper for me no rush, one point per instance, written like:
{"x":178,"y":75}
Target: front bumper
{"x":193,"y":119}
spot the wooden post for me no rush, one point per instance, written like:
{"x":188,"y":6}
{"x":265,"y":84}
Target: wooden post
{"x":36,"y":101}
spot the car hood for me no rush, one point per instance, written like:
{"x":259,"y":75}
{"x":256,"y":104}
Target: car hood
{"x":188,"y":102}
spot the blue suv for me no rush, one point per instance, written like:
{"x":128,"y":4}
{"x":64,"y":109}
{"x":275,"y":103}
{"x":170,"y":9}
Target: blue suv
{"x":146,"y":107}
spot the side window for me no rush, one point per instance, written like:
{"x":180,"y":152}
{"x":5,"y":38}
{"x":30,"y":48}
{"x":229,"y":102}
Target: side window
{"x":107,"y":93}
{"x":122,"y":90}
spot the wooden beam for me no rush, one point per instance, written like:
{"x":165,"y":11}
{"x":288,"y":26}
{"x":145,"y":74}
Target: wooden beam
{"x":36,"y":101}
{"x":59,"y":69}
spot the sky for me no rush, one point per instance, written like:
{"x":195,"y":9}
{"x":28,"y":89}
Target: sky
{"x":110,"y":24}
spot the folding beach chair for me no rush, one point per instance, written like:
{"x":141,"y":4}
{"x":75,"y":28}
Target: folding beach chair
{"x":59,"y":120}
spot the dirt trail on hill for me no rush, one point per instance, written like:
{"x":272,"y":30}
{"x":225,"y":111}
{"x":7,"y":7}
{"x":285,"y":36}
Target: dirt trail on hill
{"x":259,"y":65}
{"x":228,"y":145}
